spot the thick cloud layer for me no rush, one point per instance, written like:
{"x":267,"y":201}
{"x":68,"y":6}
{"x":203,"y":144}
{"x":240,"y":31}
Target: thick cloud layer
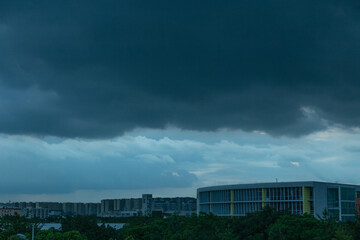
{"x":58,"y":166}
{"x":96,"y":69}
{"x":174,"y":165}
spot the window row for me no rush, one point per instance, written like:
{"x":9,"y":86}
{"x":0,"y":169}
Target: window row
{"x":348,"y":208}
{"x":220,"y":196}
{"x":256,"y":194}
{"x":285,"y":193}
{"x":348,"y":193}
{"x":221,"y":209}
{"x":204,"y":197}
{"x":253,"y":194}
{"x":241,"y":209}
{"x":293,"y":207}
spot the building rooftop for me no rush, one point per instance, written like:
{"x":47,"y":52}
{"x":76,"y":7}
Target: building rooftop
{"x":273,"y":184}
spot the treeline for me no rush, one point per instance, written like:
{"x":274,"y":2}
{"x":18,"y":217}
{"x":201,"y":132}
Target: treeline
{"x":264,"y":225}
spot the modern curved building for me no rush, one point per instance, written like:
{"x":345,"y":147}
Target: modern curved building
{"x":297,"y":197}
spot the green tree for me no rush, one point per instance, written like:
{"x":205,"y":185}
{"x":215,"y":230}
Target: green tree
{"x":341,"y":234}
{"x":88,"y":226}
{"x":254,"y":226}
{"x":12,"y":225}
{"x":296,"y":227}
{"x":56,"y":235}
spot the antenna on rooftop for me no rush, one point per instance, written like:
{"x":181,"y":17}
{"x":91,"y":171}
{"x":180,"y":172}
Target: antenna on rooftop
{"x":276,"y":180}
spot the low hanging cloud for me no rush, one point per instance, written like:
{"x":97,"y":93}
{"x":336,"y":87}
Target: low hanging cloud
{"x":183,"y":160}
{"x":100,"y":69}
{"x":58,"y":166}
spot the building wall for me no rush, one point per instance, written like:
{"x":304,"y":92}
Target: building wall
{"x":79,"y":208}
{"x":146,"y":204}
{"x":107,"y":206}
{"x":41,"y":213}
{"x":68,"y":208}
{"x":92,"y":208}
{"x":52,"y":206}
{"x":320,"y":198}
{"x":5,"y":211}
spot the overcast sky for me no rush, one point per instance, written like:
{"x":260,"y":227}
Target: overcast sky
{"x":110,"y":99}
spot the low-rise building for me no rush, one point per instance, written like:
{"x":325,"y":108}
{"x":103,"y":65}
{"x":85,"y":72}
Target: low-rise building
{"x":9,"y":211}
{"x":310,"y":197}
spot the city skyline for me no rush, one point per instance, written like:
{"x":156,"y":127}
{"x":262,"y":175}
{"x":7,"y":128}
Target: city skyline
{"x":119,"y":98}
{"x":114,"y":207}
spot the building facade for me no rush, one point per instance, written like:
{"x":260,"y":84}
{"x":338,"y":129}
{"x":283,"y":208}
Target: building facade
{"x":339,"y":200}
{"x":147,"y":201}
{"x":41,"y":213}
{"x":9,"y":211}
{"x":92,"y":209}
{"x":146,"y":205}
{"x":46,"y":209}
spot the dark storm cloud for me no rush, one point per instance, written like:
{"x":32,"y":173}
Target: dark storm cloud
{"x":97,"y":69}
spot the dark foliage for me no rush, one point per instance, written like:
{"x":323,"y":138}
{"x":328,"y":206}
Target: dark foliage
{"x":88,"y":226}
{"x":264,"y":225}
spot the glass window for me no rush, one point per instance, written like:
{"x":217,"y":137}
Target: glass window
{"x":333,"y":198}
{"x":205,"y":208}
{"x":347,"y":207}
{"x":347,"y":193}
{"x":220,"y":209}
{"x":204,"y":197}
{"x":348,"y":218}
{"x":220,"y":196}
{"x":358,"y":194}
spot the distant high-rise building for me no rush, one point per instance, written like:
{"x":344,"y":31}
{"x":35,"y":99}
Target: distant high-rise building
{"x":79,"y":208}
{"x":147,"y":204}
{"x":52,"y":206}
{"x":107,"y":206}
{"x":68,"y":208}
{"x":41,"y":213}
{"x":92,"y":208}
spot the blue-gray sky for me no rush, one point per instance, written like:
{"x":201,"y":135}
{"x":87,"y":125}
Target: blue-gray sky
{"x":113,"y":98}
